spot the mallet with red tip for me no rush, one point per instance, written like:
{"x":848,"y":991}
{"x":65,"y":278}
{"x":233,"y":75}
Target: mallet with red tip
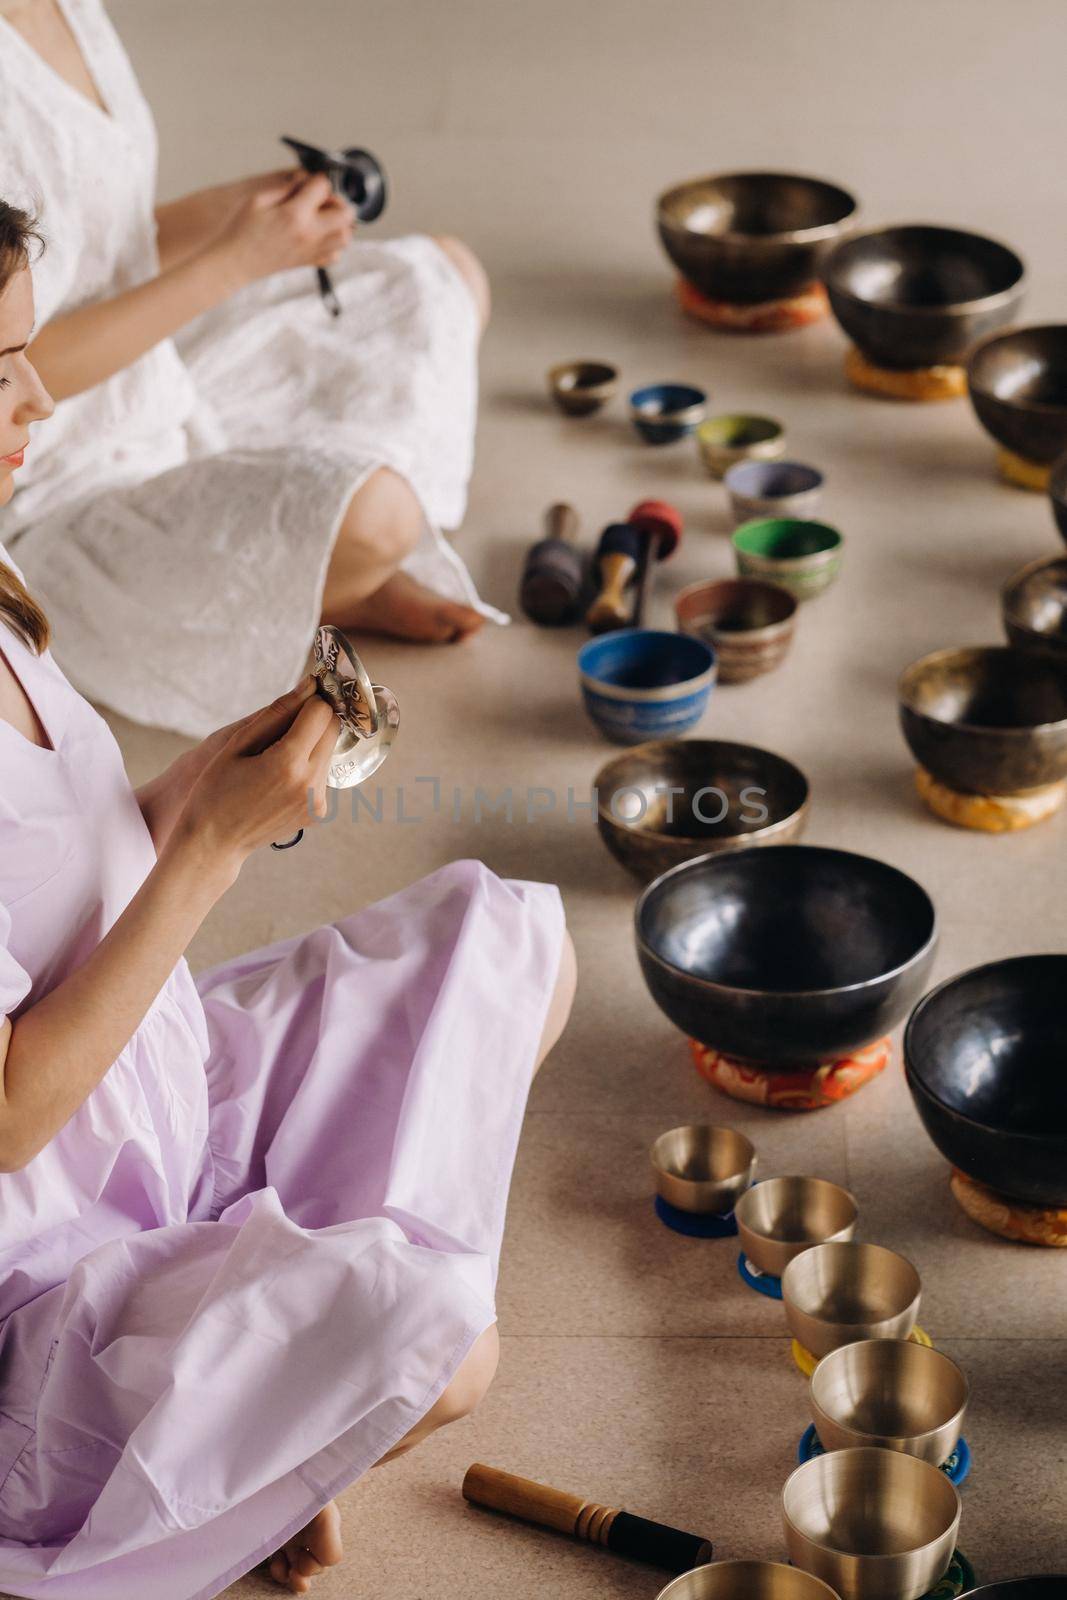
{"x":625,"y":555}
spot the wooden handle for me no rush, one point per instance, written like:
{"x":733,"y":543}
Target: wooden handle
{"x":522,"y":1497}
{"x":561,"y":522}
{"x":611,"y":609}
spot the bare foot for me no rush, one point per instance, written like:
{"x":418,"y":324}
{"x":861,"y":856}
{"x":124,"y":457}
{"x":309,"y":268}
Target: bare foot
{"x":405,"y":609}
{"x":309,"y":1552}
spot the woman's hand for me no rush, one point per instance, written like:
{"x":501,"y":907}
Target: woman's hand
{"x":265,"y":782}
{"x":284,"y":223}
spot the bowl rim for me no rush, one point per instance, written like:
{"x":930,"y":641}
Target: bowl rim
{"x":704,"y":679}
{"x":822,"y":230}
{"x":776,"y":434}
{"x":768,"y":632}
{"x":928,"y":1352}
{"x":921,"y":1006}
{"x":716,"y":1127}
{"x":781,"y":464}
{"x":1010,"y":589}
{"x":562,"y":369}
{"x":804,"y":1177}
{"x":732,"y":859}
{"x":692,"y":411}
{"x":1037,"y":407}
{"x":676,"y":1587}
{"x":604,"y":814}
{"x":817,"y":1464}
{"x":788,"y":563}
{"x":1059,"y":725}
{"x":983,"y":302}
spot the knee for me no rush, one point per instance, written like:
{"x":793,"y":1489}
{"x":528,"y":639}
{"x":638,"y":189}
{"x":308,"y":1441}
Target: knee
{"x":383,"y":522}
{"x":470,"y":270}
{"x":473,"y":1379}
{"x":559,"y":1007}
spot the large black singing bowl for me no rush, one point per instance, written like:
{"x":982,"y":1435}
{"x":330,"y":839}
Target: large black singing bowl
{"x":918,"y":295}
{"x":791,"y":953}
{"x":1018,"y":387}
{"x":986,"y":1062}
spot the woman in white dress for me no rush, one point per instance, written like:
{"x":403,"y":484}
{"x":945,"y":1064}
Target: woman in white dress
{"x":225,"y":458}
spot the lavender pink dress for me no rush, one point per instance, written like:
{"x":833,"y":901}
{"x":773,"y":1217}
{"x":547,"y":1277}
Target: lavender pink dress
{"x":256,"y":1255}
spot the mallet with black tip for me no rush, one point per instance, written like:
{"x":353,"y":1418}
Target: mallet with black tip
{"x":618,"y":1531}
{"x":553,"y":577}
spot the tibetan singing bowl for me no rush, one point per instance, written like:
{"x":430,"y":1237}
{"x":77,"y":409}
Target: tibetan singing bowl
{"x":1034,"y":607}
{"x":837,"y":1293}
{"x":986,"y":719}
{"x":1018,"y":387}
{"x":748,"y":622}
{"x":892,"y":1394}
{"x":674,"y":799}
{"x":873,"y":1524}
{"x":701,"y":1168}
{"x":1057,"y":489}
{"x":748,"y":237}
{"x":921,"y":296}
{"x":781,"y":1217}
{"x":792,"y":952}
{"x":986,"y":1061}
{"x":753,"y":1580}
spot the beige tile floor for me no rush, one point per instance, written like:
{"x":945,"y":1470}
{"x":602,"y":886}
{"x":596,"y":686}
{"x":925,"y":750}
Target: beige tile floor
{"x":635,"y":1367}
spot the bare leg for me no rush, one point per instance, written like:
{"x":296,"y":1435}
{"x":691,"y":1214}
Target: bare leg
{"x":309,"y":1552}
{"x":470,"y":270}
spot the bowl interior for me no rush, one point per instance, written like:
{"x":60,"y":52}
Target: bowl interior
{"x":665,"y":399}
{"x":756,"y":204}
{"x":738,"y":431}
{"x":889,"y":1388}
{"x":785,"y":538}
{"x":768,"y":480}
{"x":851,"y":1283}
{"x":992,"y":1046}
{"x":870,"y":1502}
{"x":923,"y":268}
{"x":579,"y":375}
{"x":738,"y":605}
{"x":701,"y":1153}
{"x":747,"y":1580}
{"x":645,"y":659}
{"x":985,"y":688}
{"x":700,"y":789}
{"x":797,"y":1210}
{"x":786,"y":919}
{"x":1037,"y":598}
{"x":1027,"y":368}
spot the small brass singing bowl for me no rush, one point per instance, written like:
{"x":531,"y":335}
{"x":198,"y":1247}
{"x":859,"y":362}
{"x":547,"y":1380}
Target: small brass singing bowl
{"x":782,"y":1217}
{"x":580,"y":388}
{"x":891,"y":1394}
{"x":1034,"y":607}
{"x":837,"y":1293}
{"x":873,"y":1524}
{"x":702,"y":1169}
{"x":747,"y":1580}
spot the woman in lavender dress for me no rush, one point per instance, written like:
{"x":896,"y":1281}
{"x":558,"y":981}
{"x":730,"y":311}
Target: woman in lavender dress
{"x":249,"y":1227}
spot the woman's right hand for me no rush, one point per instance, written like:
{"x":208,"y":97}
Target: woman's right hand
{"x":267,"y":781}
{"x":284,"y":223}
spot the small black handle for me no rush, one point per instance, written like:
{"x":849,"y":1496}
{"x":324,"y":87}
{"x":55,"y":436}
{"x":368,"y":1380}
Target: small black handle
{"x":657,"y":1544}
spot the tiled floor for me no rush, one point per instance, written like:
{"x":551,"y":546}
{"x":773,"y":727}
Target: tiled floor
{"x":636,"y":1368}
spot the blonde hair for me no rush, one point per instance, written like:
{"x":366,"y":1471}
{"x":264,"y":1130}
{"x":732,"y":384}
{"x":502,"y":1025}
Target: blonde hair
{"x":18,"y":235}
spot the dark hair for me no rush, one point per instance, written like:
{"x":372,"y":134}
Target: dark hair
{"x":18,"y":235}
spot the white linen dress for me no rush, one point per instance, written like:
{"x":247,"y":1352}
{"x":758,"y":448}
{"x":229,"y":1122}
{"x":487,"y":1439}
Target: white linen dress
{"x":182,"y":515}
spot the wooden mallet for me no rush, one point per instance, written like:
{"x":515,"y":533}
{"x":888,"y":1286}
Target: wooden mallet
{"x":618,"y":1531}
{"x":553,"y":578}
{"x":625,"y":555}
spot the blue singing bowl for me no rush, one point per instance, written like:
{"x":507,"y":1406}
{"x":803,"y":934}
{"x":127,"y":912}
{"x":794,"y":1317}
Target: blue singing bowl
{"x":665,"y":412}
{"x":639,"y":683}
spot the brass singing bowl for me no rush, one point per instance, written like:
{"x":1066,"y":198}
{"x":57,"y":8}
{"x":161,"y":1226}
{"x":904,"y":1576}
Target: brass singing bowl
{"x":873,"y":1524}
{"x":986,"y":719}
{"x":747,"y":1580}
{"x":1034,"y":607}
{"x":1017,"y":382}
{"x":701,"y":1168}
{"x":781,"y":1217}
{"x":671,"y":800}
{"x":839,"y":1292}
{"x":748,"y":237}
{"x":892,"y":1394}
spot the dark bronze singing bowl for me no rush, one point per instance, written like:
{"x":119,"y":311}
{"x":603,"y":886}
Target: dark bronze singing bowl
{"x":1057,"y":489}
{"x":1018,"y":387}
{"x":1034,"y":606}
{"x":674,"y":799}
{"x":792,"y":953}
{"x":986,"y":1062}
{"x":918,"y":296}
{"x":746,"y":237}
{"x":986,"y":719}
{"x":891,"y":1394}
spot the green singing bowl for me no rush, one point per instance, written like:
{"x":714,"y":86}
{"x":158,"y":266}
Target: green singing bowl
{"x":803,"y":557}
